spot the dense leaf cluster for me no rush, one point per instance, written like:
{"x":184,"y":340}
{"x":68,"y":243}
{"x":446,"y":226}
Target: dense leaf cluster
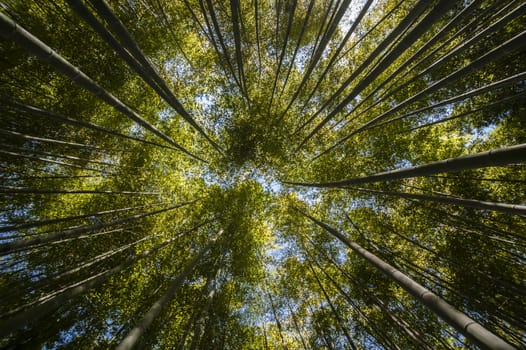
{"x":229,"y":174}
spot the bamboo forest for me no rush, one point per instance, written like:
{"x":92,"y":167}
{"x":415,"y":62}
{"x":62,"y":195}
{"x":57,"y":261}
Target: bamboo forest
{"x":263,"y":174}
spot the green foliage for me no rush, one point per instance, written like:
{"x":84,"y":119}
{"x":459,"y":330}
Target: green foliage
{"x":99,"y":216}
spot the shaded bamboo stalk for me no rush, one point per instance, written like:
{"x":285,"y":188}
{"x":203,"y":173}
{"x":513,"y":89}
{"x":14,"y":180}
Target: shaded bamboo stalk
{"x":460,"y":321}
{"x":135,"y":334}
{"x":496,"y":157}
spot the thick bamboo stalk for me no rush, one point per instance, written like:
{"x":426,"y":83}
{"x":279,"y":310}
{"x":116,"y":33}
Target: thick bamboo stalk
{"x":11,"y":30}
{"x":515,"y":209}
{"x":135,"y":58}
{"x":464,"y":324}
{"x":496,"y":157}
{"x":402,"y":46}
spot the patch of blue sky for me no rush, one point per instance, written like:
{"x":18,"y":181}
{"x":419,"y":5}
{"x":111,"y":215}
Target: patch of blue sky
{"x":348,"y":18}
{"x":212,"y":178}
{"x":351,"y":13}
{"x":267,"y":180}
{"x":337,"y":125}
{"x":437,"y":115}
{"x":370,"y":202}
{"x":6,"y":221}
{"x":166,"y":114}
{"x":37,"y":274}
{"x":51,"y":168}
{"x":304,"y":53}
{"x":403,"y":163}
{"x":279,"y":252}
{"x":370,"y":342}
{"x":111,"y":330}
{"x":67,"y":336}
{"x":136,"y":130}
{"x":309,"y":195}
{"x":269,"y":184}
{"x":480,"y":135}
{"x":205,"y":100}
{"x":178,"y":68}
{"x":205,"y":103}
{"x":341,"y":256}
{"x":7,"y":267}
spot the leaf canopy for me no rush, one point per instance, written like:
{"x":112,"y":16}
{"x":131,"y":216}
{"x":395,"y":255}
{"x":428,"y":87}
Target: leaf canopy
{"x":171,"y":173}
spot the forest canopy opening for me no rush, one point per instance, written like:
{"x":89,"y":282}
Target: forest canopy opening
{"x":285,"y":174}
